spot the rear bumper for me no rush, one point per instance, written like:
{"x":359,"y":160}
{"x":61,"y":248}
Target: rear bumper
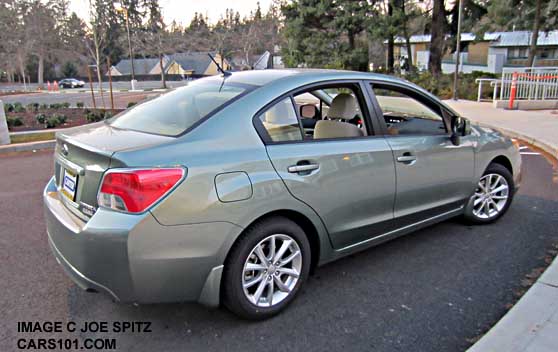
{"x":134,"y":258}
{"x":80,"y":279}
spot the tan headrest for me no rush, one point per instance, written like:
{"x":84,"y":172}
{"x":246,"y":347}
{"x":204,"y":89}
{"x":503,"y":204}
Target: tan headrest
{"x":343,"y":106}
{"x":335,"y":129}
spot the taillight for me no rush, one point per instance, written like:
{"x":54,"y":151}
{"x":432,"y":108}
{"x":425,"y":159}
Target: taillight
{"x":134,"y":191}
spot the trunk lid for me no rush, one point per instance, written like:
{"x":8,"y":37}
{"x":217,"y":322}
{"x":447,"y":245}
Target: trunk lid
{"x":84,"y":153}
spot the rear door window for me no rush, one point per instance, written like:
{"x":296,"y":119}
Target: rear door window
{"x":173,"y":113}
{"x":281,"y":123}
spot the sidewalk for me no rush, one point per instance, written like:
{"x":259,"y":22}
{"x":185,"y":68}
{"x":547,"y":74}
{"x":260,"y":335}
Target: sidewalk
{"x":539,"y":127}
{"x":532,"y":324}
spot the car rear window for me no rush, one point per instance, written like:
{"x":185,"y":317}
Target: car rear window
{"x":173,"y":113}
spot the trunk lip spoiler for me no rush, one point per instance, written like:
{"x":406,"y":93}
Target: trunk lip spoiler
{"x":63,"y":138}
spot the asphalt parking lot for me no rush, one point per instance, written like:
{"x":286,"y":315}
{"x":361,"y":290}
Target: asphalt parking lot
{"x":435,"y":290}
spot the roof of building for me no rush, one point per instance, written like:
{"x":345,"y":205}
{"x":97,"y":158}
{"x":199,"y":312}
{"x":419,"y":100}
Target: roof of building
{"x":523,"y":38}
{"x":141,"y":66}
{"x":497,"y":39}
{"x":196,"y":61}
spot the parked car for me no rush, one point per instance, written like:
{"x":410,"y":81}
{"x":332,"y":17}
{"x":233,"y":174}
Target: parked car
{"x":234,"y":188}
{"x":71,"y":83}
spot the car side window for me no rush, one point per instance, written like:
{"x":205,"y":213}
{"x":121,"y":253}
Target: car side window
{"x":404,"y":114}
{"x":332,"y":111}
{"x":281,"y":122}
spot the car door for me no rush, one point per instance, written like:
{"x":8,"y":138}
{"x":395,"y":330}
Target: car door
{"x":433,"y":175}
{"x":348,"y":181}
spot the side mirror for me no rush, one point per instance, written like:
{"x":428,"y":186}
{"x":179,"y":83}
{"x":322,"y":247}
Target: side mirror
{"x":466,"y":127}
{"x":460,"y":127}
{"x":308,"y":111}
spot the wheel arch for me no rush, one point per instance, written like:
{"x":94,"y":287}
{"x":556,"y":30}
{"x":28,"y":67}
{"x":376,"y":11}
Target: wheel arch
{"x":504,"y":161}
{"x":301,"y":220}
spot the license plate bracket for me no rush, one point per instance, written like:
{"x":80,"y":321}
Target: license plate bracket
{"x":69,"y":184}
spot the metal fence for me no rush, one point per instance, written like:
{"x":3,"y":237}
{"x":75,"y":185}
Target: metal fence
{"x":529,"y":83}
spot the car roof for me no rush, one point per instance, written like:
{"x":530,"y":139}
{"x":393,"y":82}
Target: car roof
{"x":270,"y":79}
{"x":264,"y":77}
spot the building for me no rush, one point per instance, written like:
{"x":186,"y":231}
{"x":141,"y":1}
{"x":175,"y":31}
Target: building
{"x":491,"y":53}
{"x":189,"y":64}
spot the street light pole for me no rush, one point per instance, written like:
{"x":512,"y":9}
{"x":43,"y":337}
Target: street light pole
{"x":457,"y":50}
{"x":120,"y":8}
{"x":130,"y":44}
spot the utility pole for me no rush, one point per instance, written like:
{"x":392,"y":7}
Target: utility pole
{"x":120,"y":8}
{"x":457,"y":50}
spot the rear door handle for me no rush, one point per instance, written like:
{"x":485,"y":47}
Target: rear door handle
{"x":302,"y":168}
{"x":407,"y":158}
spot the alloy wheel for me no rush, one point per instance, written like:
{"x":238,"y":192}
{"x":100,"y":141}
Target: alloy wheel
{"x":491,"y":196}
{"x":272,"y":270}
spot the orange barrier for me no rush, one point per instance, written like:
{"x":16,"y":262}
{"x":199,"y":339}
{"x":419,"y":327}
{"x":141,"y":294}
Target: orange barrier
{"x":513,"y":90}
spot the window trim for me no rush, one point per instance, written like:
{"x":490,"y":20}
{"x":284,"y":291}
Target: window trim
{"x":420,"y":97}
{"x":372,"y":126}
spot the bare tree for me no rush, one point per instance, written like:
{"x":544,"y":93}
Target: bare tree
{"x":154,"y":39}
{"x":95,"y":42}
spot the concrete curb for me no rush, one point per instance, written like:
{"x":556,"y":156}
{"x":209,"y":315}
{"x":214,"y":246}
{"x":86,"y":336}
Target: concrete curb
{"x":33,"y":132}
{"x":22,"y":147}
{"x":531,"y":324}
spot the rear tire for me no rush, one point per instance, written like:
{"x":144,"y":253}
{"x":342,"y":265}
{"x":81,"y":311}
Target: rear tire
{"x":266,"y":268}
{"x":492,"y":197}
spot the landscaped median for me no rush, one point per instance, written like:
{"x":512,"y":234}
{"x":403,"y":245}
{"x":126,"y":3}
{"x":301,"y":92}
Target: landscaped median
{"x":34,"y":126}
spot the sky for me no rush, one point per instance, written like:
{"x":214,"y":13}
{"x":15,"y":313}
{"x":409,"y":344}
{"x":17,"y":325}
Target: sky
{"x":183,"y":10}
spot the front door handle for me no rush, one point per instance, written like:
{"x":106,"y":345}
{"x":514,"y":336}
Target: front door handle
{"x":302,"y":168}
{"x":407,"y":158}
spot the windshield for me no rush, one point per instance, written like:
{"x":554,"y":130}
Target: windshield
{"x":173,"y":113}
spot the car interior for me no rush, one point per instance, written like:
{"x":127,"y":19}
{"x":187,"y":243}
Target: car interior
{"x":332,"y":112}
{"x":336,"y":112}
{"x":406,"y":114}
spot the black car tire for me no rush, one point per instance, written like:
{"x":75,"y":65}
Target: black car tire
{"x":232,"y":291}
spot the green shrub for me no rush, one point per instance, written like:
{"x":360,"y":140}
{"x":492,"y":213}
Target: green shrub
{"x":94,"y":116}
{"x":33,"y":107}
{"x":55,"y":106}
{"x":43,"y":106}
{"x":18,"y":107}
{"x":443,"y":86}
{"x":8,"y":107}
{"x":65,"y":105}
{"x":130,"y":104}
{"x":14,"y":121}
{"x":80,"y":104}
{"x":62,"y":118}
{"x":41,"y":118}
{"x":107,"y":115}
{"x":56,"y":120}
{"x":52,"y":122}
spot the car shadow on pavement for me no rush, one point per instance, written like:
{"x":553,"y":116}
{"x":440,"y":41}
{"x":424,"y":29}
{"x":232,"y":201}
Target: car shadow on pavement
{"x":405,"y":292}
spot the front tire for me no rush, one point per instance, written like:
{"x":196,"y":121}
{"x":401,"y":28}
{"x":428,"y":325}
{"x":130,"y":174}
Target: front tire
{"x":492,"y":197}
{"x":266,"y":268}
